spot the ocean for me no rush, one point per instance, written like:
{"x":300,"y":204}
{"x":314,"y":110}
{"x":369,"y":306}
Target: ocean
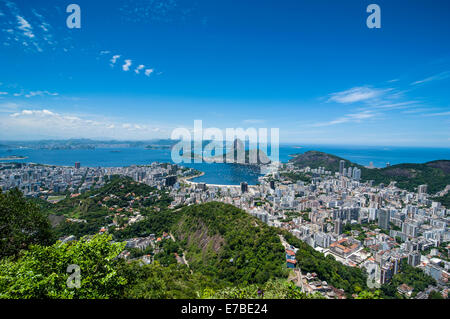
{"x":225,"y":174}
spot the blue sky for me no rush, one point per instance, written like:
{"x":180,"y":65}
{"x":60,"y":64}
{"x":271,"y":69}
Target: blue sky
{"x":139,"y":69}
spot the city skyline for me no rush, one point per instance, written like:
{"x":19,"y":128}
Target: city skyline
{"x":312,"y":69}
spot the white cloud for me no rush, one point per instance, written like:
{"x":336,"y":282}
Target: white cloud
{"x":37,"y":123}
{"x":40,"y":93}
{"x":25,"y":27}
{"x":447,"y":113}
{"x":139,"y":68}
{"x":126,"y":66}
{"x":33,"y":112}
{"x":356,"y":94}
{"x":440,"y":76}
{"x":114,"y":59}
{"x":352,"y":117}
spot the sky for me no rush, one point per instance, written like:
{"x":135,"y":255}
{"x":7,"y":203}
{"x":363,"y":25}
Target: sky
{"x":140,"y":69}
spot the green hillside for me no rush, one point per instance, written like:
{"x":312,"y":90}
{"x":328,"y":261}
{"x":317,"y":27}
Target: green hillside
{"x":229,"y":245}
{"x":435,"y":174}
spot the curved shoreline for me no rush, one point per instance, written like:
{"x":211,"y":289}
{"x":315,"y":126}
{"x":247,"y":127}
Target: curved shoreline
{"x":193,"y":176}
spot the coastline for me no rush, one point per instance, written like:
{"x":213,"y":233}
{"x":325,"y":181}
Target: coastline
{"x":13,"y":158}
{"x":188,"y":181}
{"x":193,"y":176}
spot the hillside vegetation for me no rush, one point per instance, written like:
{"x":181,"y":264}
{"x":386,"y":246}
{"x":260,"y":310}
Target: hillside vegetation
{"x":436,"y":174}
{"x":229,"y":245}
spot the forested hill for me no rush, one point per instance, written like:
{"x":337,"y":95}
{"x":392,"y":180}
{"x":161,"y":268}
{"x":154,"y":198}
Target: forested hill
{"x":436,"y":174}
{"x":229,"y":245}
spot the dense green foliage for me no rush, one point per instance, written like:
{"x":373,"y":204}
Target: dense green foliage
{"x":410,"y":176}
{"x":272,"y":289}
{"x":228,"y":244}
{"x":369,"y":295}
{"x":41,"y":272}
{"x":294,"y":177}
{"x":435,"y":295}
{"x":154,"y":223}
{"x":351,"y":279}
{"x":155,"y":281}
{"x":21,"y":223}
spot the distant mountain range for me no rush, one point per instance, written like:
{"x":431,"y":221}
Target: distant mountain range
{"x":436,"y":174}
{"x":85,"y":144}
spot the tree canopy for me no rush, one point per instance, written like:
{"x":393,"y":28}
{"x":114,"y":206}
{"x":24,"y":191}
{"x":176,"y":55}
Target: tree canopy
{"x":22,"y":223}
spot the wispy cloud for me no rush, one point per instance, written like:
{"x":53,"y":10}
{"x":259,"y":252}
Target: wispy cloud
{"x":446,"y":113}
{"x":440,"y":76}
{"x":352,"y":117}
{"x":32,"y":32}
{"x":356,"y":94}
{"x":40,"y":93}
{"x":25,"y":27}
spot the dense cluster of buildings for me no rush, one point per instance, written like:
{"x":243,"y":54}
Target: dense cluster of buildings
{"x":37,"y":180}
{"x":362,"y":225}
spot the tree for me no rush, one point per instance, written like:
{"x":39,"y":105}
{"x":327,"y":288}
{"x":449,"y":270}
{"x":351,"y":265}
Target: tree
{"x":369,"y":295}
{"x":22,"y":223}
{"x":435,"y":295}
{"x":42,"y":272}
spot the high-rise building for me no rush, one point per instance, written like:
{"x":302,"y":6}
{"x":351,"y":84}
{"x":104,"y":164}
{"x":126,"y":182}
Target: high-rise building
{"x":422,"y":189}
{"x":386,"y":273}
{"x":77,"y":165}
{"x":349,"y":172}
{"x":356,"y":174}
{"x":170,"y":180}
{"x":322,"y":240}
{"x":410,"y":229}
{"x":244,"y":187}
{"x":338,"y":226}
{"x":384,"y":217}
{"x":201,"y":186}
{"x":272,"y":185}
{"x":414,"y":258}
{"x":341,"y":167}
